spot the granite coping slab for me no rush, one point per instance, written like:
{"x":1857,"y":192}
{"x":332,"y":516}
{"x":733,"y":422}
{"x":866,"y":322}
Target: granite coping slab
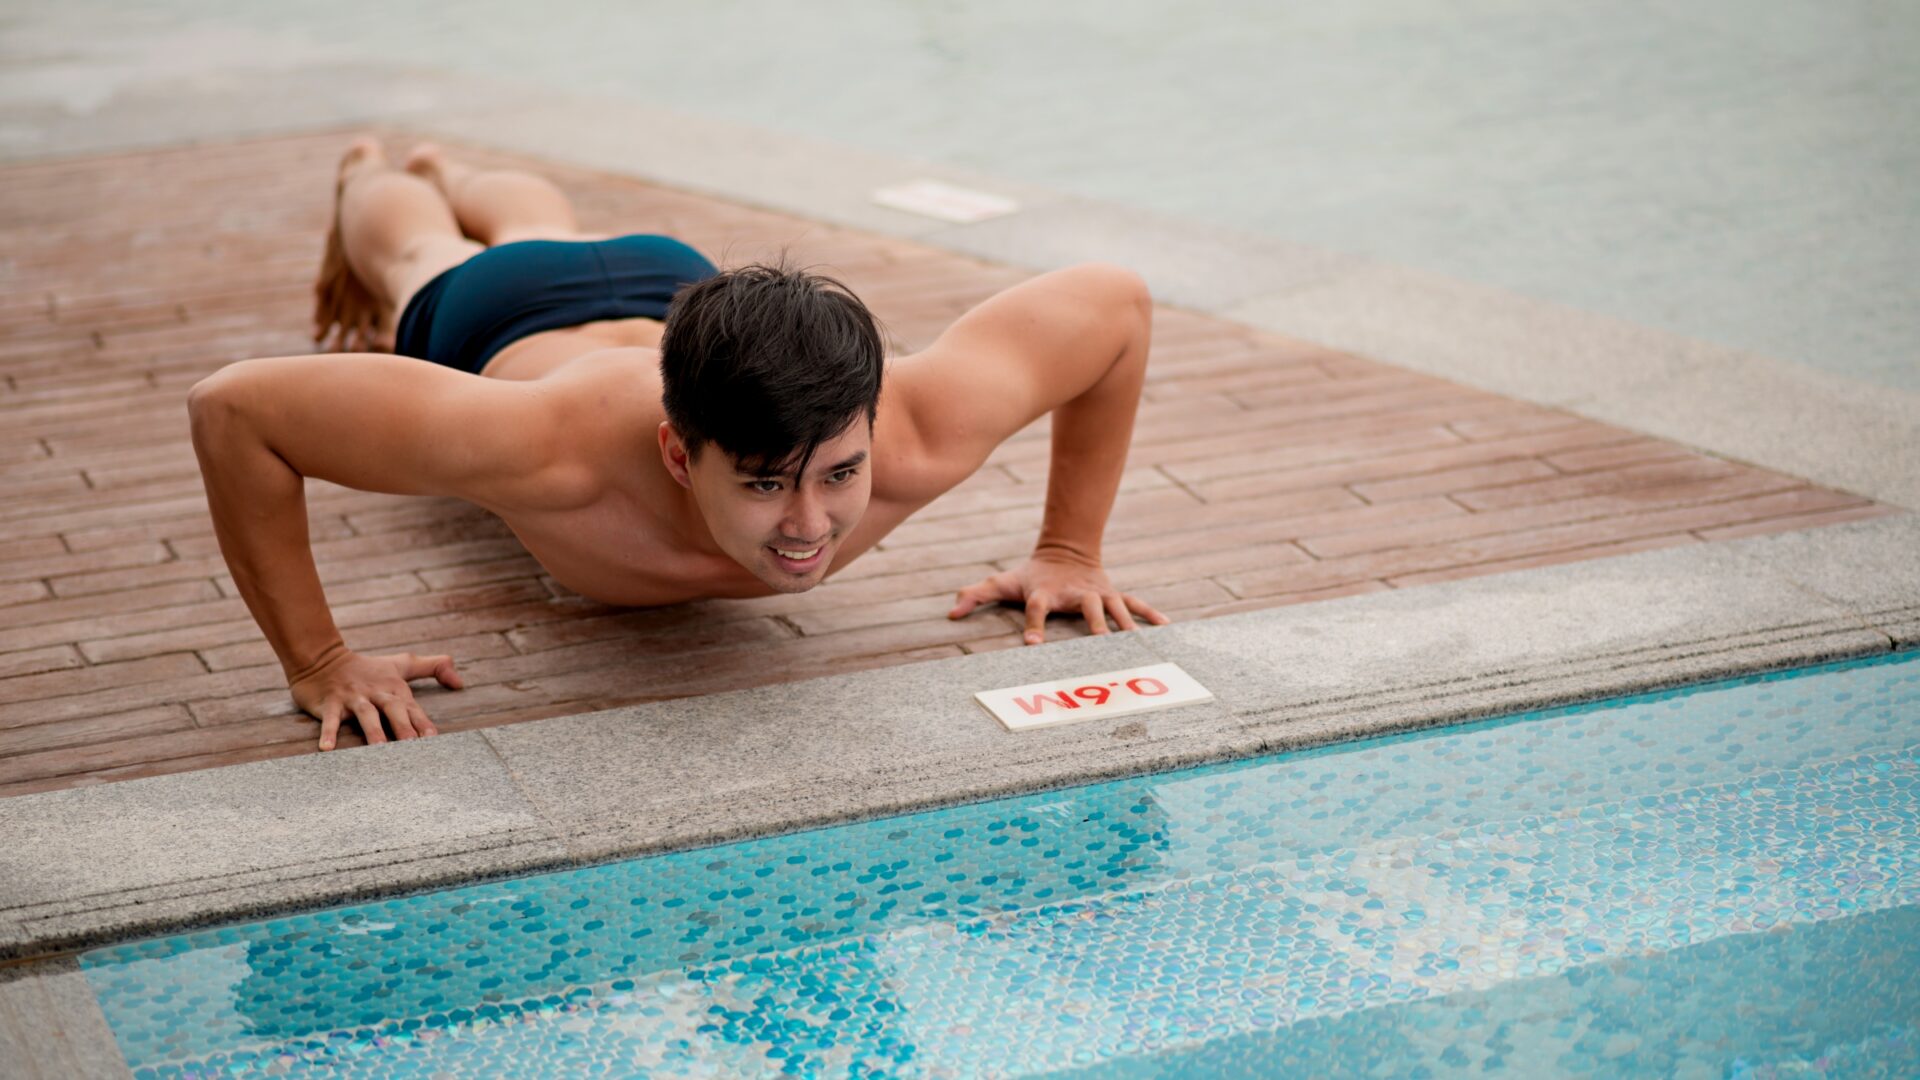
{"x":823,"y":180}
{"x":87,"y":866}
{"x":1417,"y":640}
{"x":597,"y":768}
{"x":1874,"y":571}
{"x":281,"y":815}
{"x":1192,"y":266}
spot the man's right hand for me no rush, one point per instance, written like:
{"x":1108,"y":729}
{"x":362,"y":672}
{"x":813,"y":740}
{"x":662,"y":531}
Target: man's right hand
{"x":367,"y":687}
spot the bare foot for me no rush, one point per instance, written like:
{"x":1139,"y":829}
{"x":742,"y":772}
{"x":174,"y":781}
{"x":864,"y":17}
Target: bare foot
{"x":428,"y":162}
{"x":343,"y":308}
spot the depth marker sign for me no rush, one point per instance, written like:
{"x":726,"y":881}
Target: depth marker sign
{"x":1092,"y":697}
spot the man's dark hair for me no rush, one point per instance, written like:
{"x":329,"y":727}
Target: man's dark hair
{"x":768,"y":362}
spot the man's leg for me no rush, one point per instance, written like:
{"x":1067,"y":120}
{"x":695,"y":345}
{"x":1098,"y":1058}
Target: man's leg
{"x":392,"y":233}
{"x":498,"y":206}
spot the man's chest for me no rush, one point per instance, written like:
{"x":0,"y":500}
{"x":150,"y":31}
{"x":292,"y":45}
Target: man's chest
{"x":619,"y":554}
{"x":614,"y":554}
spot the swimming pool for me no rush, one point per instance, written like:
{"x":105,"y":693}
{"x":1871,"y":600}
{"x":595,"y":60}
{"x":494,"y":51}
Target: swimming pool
{"x":1714,"y":881}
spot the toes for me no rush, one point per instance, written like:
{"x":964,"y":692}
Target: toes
{"x":424,"y":159}
{"x":362,"y":148}
{"x":363,"y":153}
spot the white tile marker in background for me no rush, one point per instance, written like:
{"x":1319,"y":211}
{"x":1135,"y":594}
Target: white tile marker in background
{"x":931,"y":198}
{"x":1092,"y":697}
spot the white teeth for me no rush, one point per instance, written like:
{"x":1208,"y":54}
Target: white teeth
{"x":797,"y":556}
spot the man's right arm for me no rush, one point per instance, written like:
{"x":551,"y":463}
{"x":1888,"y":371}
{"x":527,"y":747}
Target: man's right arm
{"x":367,"y":421}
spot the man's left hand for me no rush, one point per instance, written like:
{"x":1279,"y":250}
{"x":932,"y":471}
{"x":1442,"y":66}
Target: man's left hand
{"x":1047,"y":582}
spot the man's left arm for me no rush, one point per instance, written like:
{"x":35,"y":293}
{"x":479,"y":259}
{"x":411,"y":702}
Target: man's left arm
{"x":1074,"y":343}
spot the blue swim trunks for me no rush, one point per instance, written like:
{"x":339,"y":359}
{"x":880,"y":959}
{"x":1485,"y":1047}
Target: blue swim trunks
{"x":469,"y":312}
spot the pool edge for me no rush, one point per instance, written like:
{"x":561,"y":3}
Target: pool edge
{"x":88,"y":866}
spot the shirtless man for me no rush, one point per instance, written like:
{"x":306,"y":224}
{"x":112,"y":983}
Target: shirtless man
{"x":742,"y":444}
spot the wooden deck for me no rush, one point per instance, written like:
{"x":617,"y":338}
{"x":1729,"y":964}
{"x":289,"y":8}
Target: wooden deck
{"x":1264,"y":472}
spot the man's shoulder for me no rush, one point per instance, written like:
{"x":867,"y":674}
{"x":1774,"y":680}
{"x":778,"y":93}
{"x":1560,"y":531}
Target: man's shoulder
{"x":935,"y":425}
{"x":621,"y":382}
{"x":596,"y":413}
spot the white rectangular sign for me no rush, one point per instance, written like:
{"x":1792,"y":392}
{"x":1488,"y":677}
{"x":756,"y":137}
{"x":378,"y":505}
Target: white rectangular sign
{"x":931,"y":198}
{"x":1092,"y":697}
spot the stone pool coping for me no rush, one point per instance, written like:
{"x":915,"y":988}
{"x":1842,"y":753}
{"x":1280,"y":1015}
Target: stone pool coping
{"x":86,"y":866}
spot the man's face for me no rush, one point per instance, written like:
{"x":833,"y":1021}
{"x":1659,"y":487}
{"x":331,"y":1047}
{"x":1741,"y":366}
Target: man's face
{"x":785,"y":529}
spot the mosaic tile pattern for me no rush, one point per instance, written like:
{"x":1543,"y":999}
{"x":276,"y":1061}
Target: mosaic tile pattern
{"x":1712,"y":882}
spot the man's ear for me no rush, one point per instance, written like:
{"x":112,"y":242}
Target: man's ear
{"x":673,"y":452}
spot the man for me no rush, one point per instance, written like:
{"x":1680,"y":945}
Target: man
{"x":652,"y":430}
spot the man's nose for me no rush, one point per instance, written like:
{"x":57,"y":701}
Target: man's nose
{"x":806,"y":517}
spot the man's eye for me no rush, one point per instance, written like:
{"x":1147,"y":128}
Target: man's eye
{"x":764,"y":487}
{"x":841,"y":477}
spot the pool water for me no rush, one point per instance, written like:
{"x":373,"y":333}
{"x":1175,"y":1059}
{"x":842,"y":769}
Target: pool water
{"x":1719,"y":881}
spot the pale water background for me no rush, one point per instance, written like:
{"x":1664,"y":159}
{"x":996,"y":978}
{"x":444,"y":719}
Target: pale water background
{"x":1740,"y":172}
